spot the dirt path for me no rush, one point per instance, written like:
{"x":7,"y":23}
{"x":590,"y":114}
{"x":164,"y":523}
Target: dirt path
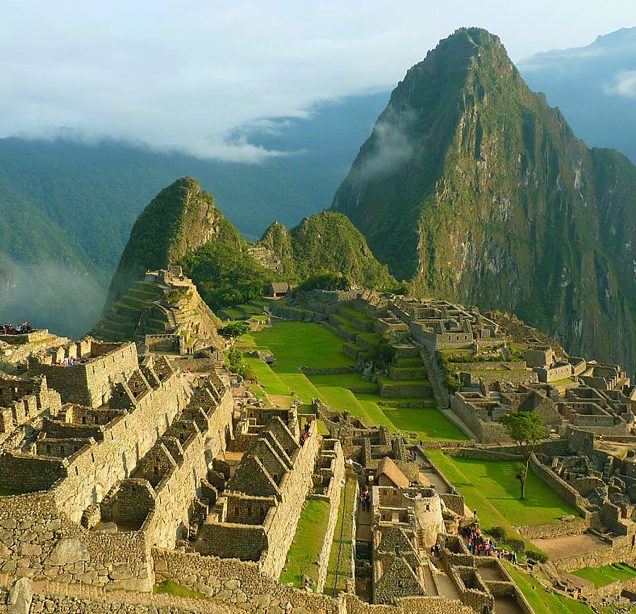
{"x":570,"y":545}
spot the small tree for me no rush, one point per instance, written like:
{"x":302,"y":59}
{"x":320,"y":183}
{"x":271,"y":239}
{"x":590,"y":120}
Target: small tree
{"x":526,"y":428}
{"x":236,"y":329}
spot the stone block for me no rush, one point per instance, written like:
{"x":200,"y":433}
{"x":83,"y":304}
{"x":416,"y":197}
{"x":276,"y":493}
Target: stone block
{"x":68,"y":551}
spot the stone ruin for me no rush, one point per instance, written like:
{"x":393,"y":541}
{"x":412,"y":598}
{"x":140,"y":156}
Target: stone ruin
{"x":163,"y":312}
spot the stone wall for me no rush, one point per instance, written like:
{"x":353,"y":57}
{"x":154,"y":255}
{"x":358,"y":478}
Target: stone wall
{"x":241,"y":583}
{"x":486,"y":432}
{"x":620,"y":551}
{"x":234,"y":581}
{"x":89,"y":383}
{"x":40,"y":543}
{"x":560,"y":486}
{"x":282,"y":529}
{"x":48,"y":541}
{"x":169,"y":519}
{"x":333,"y":496}
{"x":95,"y":470}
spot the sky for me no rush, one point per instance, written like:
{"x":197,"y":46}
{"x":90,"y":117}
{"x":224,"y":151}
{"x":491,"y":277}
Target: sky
{"x":181,"y":75}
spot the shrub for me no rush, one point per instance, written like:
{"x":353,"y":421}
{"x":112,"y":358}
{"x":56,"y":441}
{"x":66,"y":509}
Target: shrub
{"x":499,"y":533}
{"x":236,"y":329}
{"x":537,"y":555}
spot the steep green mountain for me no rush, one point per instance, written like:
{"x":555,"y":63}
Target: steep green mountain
{"x":477,"y":190}
{"x":182,"y":225}
{"x":327,"y":241}
{"x":181,"y":218}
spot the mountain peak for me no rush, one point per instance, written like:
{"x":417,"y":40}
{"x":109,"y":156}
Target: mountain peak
{"x":471,"y":186}
{"x":181,"y":218}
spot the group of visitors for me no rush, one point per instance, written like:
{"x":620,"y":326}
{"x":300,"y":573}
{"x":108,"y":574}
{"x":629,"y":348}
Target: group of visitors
{"x":478,"y":545}
{"x":365,"y":499}
{"x":20,"y":329}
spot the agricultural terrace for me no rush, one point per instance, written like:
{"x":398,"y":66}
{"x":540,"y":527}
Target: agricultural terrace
{"x":602,"y":576}
{"x":543,"y":601}
{"x":491,"y":488}
{"x":312,"y":346}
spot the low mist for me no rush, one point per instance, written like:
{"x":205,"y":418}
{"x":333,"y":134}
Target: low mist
{"x":66,"y":302}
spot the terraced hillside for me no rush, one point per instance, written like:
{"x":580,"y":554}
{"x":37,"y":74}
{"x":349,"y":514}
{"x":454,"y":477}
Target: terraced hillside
{"x":158,"y":305}
{"x":319,"y":361}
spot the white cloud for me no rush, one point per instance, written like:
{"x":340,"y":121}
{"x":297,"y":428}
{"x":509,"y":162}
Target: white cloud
{"x":184,"y":75}
{"x":623,"y":84}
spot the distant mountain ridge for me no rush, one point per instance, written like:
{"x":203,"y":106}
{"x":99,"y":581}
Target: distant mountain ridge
{"x":475,"y":189}
{"x":66,"y":209}
{"x":594,"y":87}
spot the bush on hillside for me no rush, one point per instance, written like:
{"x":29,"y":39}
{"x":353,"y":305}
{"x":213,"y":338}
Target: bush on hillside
{"x":326,"y":281}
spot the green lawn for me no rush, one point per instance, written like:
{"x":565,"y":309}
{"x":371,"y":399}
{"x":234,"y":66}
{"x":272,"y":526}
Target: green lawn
{"x":491,"y":488}
{"x":173,"y":588}
{"x":600,"y":576}
{"x":301,"y":385}
{"x":296,"y":344}
{"x":305,"y":344}
{"x":302,"y":558}
{"x":339,"y":569}
{"x":267,"y":378}
{"x":542,"y":601}
{"x":426,"y":422}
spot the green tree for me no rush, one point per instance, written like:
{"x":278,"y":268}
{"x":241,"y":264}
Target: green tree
{"x":526,"y":428}
{"x":235,"y":329}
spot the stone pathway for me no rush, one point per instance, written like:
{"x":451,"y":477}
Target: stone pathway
{"x":363,"y":525}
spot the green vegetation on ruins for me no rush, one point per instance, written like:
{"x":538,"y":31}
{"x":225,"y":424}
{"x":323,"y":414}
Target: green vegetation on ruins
{"x":492,"y":488}
{"x":312,"y":346}
{"x":302,"y":557}
{"x":170,"y":587}
{"x":601,"y":576}
{"x":339,"y":568}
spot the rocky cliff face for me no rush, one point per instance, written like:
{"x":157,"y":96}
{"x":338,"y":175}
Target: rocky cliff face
{"x":179,"y":220}
{"x":475,"y":189}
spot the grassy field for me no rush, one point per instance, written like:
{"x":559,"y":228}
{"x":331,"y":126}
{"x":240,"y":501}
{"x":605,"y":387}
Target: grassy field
{"x":302,"y":558}
{"x":600,"y":576}
{"x":426,"y":423}
{"x":491,"y":488}
{"x":542,"y":601}
{"x":339,"y":569}
{"x":296,"y":344}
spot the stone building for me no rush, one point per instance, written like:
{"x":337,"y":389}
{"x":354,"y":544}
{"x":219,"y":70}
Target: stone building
{"x":102,"y":483}
{"x":439,"y":324}
{"x":23,"y":399}
{"x":406,"y":523}
{"x":256,"y":516}
{"x":84,"y":372}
